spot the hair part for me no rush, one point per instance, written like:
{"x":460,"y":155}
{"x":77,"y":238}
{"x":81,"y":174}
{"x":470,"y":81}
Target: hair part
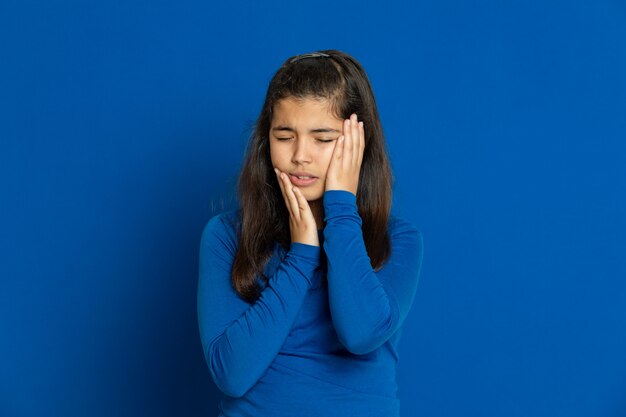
{"x":340,"y":79}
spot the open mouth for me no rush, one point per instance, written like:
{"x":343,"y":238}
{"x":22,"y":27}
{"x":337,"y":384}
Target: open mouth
{"x":302,"y":180}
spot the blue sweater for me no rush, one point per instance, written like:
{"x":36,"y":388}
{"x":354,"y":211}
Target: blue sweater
{"x":322,"y":338}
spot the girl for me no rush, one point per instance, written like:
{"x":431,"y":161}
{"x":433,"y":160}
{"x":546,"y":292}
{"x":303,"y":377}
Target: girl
{"x":303,"y":290}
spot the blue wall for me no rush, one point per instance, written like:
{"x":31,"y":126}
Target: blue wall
{"x":122,"y":129}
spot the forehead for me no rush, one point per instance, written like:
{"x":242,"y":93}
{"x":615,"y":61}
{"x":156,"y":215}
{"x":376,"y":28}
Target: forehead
{"x":303,"y":111}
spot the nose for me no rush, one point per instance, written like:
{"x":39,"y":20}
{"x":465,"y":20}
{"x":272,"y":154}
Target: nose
{"x":301,"y":152}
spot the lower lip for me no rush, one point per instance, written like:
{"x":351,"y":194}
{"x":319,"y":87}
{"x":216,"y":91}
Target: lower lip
{"x":302,"y":183}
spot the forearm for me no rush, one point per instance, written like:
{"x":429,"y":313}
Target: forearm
{"x":240,"y":349}
{"x":360,"y":307}
{"x":367,"y":306}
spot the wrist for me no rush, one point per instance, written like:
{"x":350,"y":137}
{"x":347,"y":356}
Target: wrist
{"x":305,"y":250}
{"x":306,"y":242}
{"x":339,"y":188}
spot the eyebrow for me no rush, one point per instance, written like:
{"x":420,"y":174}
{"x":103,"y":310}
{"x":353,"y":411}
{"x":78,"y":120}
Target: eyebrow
{"x":318,"y":130}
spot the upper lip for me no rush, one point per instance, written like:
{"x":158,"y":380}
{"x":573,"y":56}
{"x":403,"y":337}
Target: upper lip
{"x":303,"y":174}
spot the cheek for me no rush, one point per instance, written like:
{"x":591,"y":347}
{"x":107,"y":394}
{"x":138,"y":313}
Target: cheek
{"x":274,"y":156}
{"x":327,"y":157}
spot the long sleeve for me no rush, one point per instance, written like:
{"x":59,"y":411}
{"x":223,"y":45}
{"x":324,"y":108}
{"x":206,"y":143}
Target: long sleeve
{"x":367,"y":307}
{"x":240,"y":340}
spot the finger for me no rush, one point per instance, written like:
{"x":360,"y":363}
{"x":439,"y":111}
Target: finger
{"x":306,"y":215}
{"x":291,"y":198}
{"x":356,"y":142}
{"x":348,"y":145}
{"x":282,"y":186}
{"x":338,"y":151}
{"x":303,"y":205}
{"x":362,"y":142}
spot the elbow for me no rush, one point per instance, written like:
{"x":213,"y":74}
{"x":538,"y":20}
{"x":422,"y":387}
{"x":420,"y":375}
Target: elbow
{"x":360,"y":349}
{"x":231,"y":388}
{"x":230,"y":383}
{"x":368,"y":338}
{"x":359,"y":346}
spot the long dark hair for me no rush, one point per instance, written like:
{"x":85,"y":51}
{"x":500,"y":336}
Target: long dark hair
{"x":338,"y":77}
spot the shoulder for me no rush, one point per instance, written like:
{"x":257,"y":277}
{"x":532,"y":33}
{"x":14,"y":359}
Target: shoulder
{"x":222,"y":230}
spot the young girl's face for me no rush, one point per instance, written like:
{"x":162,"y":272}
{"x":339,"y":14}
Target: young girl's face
{"x":303,"y":134}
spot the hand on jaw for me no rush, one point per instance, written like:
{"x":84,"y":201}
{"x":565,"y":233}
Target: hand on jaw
{"x":343,"y":174}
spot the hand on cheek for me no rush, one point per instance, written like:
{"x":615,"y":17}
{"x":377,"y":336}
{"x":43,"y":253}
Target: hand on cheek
{"x":301,"y":220}
{"x":345,"y":164}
